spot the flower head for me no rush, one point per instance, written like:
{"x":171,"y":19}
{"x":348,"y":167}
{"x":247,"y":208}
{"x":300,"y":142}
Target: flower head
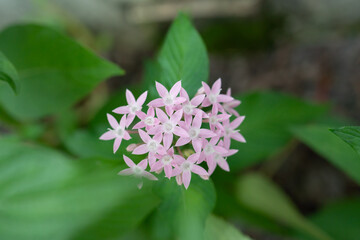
{"x":178,"y":132}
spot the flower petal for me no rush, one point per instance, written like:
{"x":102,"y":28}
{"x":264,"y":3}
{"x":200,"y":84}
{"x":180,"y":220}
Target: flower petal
{"x":149,"y":176}
{"x":174,"y":91}
{"x":142,"y":164}
{"x":109,"y":135}
{"x":130,"y":97}
{"x":197,"y":144}
{"x":159,"y":102}
{"x":238,"y":137}
{"x":224,"y":98}
{"x":144,"y":136}
{"x":180,"y":132}
{"x":175,"y":118}
{"x":117,"y":143}
{"x":197,"y":121}
{"x":140,"y":101}
{"x":128,"y":161}
{"x":142,"y":149}
{"x":236,"y":123}
{"x":126,"y":172}
{"x":197,"y":100}
{"x":186,"y":178}
{"x":161,"y":89}
{"x":168,"y":138}
{"x":224,"y":165}
{"x":168,"y":171}
{"x":122,"y":110}
{"x":206,"y":87}
{"x":216,"y":87}
{"x":194,"y":157}
{"x":206,"y":133}
{"x":113,"y":122}
{"x":199,"y":170}
{"x":182,"y":141}
{"x":161,"y":115}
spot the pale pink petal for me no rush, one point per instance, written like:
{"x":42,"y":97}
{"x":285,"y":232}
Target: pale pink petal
{"x":141,"y":115}
{"x":159,"y":102}
{"x":178,"y":179}
{"x":174,"y":91}
{"x":161,"y":89}
{"x":130,"y":97}
{"x":143,"y":164}
{"x":152,"y":158}
{"x":224,"y":165}
{"x":211,"y":166}
{"x":224,"y":98}
{"x":168,"y":171}
{"x":227,"y":142}
{"x":175,"y":118}
{"x":197,"y":144}
{"x":188,"y":119}
{"x":180,"y":132}
{"x":113,"y":123}
{"x":231,"y":152}
{"x":182,"y":141}
{"x":142,"y":149}
{"x":197,"y":100}
{"x":220,"y":150}
{"x":171,"y":151}
{"x":197,"y":121}
{"x":236,"y":123}
{"x":154,"y":130}
{"x":149,"y":176}
{"x":123,"y":122}
{"x":206,"y":87}
{"x":129,"y":120}
{"x":140,"y":184}
{"x":157,"y":166}
{"x":199,"y":170}
{"x":184,"y":94}
{"x":228,"y":92}
{"x":178,"y":160}
{"x":126,"y":172}
{"x":206,"y":133}
{"x":206,"y":102}
{"x":126,"y":136}
{"x":122,"y":110}
{"x":238,"y":137}
{"x":194,"y":157}
{"x":117,"y":143}
{"x":151,"y":112}
{"x":158,"y":137}
{"x":139,"y":125}
{"x":144,"y":136}
{"x":168,"y":138}
{"x":109,"y":135}
{"x":140,"y":101}
{"x":161,"y":115}
{"x":186,"y":178}
{"x":216,"y":87}
{"x":169,"y":110}
{"x":179,"y":100}
{"x":128,"y":161}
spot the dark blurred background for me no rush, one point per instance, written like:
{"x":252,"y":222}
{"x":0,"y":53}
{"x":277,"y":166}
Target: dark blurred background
{"x":310,"y":49}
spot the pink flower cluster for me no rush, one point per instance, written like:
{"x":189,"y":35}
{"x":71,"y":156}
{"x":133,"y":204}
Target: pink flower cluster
{"x":178,"y":134}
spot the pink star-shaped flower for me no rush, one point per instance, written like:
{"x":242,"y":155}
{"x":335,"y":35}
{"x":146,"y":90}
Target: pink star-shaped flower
{"x":230,"y":132}
{"x":186,"y":167}
{"x":213,"y":96}
{"x":169,"y":126}
{"x":195,"y":133}
{"x":151,"y":146}
{"x":220,"y":159}
{"x":138,"y":170}
{"x":210,"y":148}
{"x":133,"y":106}
{"x":148,"y":120}
{"x":166,"y":162}
{"x":229,"y":107}
{"x":117,"y":132}
{"x":168,"y":99}
{"x":189,"y":107}
{"x":215,"y":119}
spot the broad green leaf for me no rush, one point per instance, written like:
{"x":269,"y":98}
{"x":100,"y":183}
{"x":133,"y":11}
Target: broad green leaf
{"x":183,"y":57}
{"x":268,"y":117}
{"x":46,"y":195}
{"x":8,"y":73}
{"x":218,"y":229}
{"x":54,"y":71}
{"x":340,"y":219}
{"x":351,"y":135}
{"x":260,"y":194}
{"x":332,"y":148}
{"x":183,"y":213}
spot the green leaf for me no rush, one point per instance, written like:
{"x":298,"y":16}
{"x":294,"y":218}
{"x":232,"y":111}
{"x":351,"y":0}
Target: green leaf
{"x":263,"y":196}
{"x":332,"y":148}
{"x":8,"y":73}
{"x":183,"y":213}
{"x":340,"y":219}
{"x":351,"y":135}
{"x":218,"y":229}
{"x":268,"y":117}
{"x":46,"y":195}
{"x":55,"y":71}
{"x":183,"y":57}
